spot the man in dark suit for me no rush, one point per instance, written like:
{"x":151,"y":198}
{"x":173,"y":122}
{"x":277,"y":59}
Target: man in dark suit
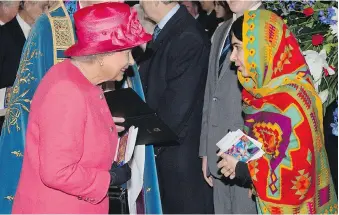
{"x":207,"y":18}
{"x":331,"y":141}
{"x":192,"y":7}
{"x":173,"y":73}
{"x":8,"y":10}
{"x":12,"y":39}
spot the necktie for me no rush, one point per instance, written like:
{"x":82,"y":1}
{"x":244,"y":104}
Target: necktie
{"x":224,"y":52}
{"x":156,"y":32}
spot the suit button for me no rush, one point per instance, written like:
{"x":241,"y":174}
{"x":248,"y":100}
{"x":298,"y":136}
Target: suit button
{"x":111,"y":129}
{"x":79,"y":197}
{"x":215,"y":99}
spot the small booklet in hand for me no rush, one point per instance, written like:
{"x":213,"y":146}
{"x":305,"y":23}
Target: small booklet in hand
{"x":241,"y":146}
{"x":126,"y":146}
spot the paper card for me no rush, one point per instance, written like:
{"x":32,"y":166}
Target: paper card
{"x":3,"y":101}
{"x":126,"y":145}
{"x":241,"y":146}
{"x":243,"y":149}
{"x":117,"y":149}
{"x":2,"y":98}
{"x":259,"y":144}
{"x":229,"y":139}
{"x":121,"y":151}
{"x":132,"y":137}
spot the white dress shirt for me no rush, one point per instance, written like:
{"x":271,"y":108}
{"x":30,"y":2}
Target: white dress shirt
{"x":168,"y":16}
{"x":1,"y":23}
{"x":26,"y":28}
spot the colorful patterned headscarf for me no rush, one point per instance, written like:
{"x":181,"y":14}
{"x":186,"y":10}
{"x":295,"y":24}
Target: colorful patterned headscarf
{"x":283,"y":111}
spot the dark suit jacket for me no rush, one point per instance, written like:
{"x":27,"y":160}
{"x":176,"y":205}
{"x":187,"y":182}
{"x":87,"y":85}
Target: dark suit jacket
{"x":12,"y":40}
{"x":209,"y":22}
{"x":173,"y":73}
{"x":331,"y":143}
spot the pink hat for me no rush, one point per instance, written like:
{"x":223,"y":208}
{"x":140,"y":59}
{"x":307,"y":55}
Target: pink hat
{"x":107,"y":27}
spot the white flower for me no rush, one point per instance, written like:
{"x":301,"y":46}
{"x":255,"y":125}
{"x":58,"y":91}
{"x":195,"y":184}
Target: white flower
{"x":334,"y":27}
{"x":323,"y":95}
{"x":317,"y":62}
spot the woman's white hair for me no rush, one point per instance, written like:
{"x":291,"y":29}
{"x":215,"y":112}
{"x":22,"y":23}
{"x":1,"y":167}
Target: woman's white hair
{"x":91,"y":58}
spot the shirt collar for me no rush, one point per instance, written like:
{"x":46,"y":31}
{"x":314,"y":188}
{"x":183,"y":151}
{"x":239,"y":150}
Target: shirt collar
{"x":168,"y":16}
{"x":196,"y":16}
{"x":254,"y":7}
{"x":24,"y":26}
{"x":1,"y":22}
{"x":209,"y":13}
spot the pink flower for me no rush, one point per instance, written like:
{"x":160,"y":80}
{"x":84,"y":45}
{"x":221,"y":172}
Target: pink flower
{"x":134,"y":25}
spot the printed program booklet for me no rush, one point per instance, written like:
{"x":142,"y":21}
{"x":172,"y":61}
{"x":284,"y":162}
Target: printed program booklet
{"x":241,"y":146}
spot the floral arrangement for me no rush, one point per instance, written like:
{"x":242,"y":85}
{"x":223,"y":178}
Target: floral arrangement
{"x":315,"y":25}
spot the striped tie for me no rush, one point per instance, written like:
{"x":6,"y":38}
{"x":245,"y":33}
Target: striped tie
{"x":156,"y":32}
{"x":224,"y":52}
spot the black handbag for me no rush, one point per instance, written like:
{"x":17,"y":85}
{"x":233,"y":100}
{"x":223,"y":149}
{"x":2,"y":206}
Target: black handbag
{"x":118,"y":200}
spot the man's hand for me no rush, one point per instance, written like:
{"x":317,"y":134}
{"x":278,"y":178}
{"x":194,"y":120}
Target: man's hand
{"x":119,"y":120}
{"x":208,"y":179}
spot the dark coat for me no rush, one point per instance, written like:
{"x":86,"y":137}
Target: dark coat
{"x":173,"y":73}
{"x":12,"y":40}
{"x":331,"y":143}
{"x":209,"y":22}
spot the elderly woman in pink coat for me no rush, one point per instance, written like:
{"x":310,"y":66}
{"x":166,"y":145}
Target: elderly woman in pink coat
{"x":72,"y":139}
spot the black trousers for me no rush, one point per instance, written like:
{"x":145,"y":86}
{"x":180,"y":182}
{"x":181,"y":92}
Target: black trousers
{"x":331,"y":144}
{"x":183,"y":189}
{"x":2,"y":119}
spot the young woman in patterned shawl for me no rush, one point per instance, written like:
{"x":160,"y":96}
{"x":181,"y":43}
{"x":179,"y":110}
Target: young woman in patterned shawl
{"x":282,"y":111}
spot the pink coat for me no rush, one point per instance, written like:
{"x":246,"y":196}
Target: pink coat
{"x":70,"y":145}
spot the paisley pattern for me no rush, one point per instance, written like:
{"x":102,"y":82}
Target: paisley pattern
{"x":283,"y":111}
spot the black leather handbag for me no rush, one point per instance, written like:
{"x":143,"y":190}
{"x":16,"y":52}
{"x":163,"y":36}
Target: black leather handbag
{"x":118,"y":200}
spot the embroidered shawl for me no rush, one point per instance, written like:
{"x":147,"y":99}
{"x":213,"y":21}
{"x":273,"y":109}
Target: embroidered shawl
{"x":283,"y":111}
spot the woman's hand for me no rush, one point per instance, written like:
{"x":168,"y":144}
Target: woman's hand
{"x":119,"y":175}
{"x":119,"y":120}
{"x":227,"y":165}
